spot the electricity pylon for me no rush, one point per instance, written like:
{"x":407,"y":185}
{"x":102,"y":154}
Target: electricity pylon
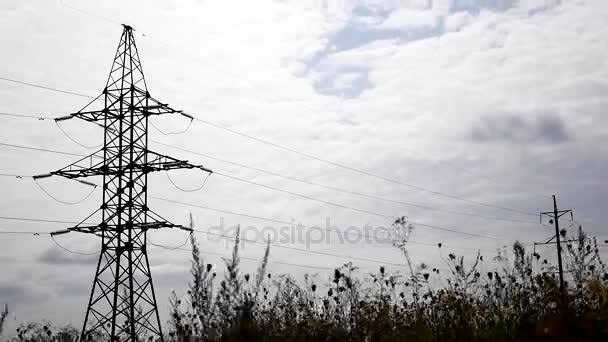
{"x":122,"y":305}
{"x":554,"y":219}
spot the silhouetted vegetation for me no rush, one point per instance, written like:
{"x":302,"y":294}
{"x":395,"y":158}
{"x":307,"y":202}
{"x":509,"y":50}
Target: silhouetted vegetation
{"x":3,"y":316}
{"x":519,"y":300}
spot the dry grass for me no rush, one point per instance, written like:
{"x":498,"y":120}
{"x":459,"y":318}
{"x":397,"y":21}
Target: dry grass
{"x":518,"y":301}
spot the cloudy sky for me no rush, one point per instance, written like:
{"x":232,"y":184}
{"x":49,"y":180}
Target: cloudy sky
{"x":498,"y":102}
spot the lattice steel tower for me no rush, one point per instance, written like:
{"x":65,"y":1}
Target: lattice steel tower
{"x":122,"y":304}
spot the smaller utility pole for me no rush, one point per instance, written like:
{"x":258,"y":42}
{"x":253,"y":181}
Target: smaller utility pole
{"x":554,"y":218}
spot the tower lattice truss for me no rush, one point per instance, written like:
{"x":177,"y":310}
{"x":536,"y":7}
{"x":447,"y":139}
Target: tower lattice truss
{"x":122,"y":304}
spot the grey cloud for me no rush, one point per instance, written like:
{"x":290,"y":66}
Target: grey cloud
{"x":22,"y":292}
{"x":7,"y":259}
{"x":11,"y":291}
{"x":55,"y":256}
{"x":172,"y":275}
{"x":73,"y":289}
{"x":514,"y":128}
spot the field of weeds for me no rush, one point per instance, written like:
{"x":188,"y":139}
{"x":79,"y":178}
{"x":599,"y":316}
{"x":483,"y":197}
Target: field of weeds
{"x":519,"y":301}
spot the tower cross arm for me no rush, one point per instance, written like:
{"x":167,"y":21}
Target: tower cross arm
{"x":96,"y":116}
{"x":156,"y":107}
{"x":90,"y":165}
{"x":94,"y":165}
{"x":154,"y":221}
{"x":146,"y":106}
{"x":160,"y":162}
{"x":91,"y":116}
{"x":105,"y":227}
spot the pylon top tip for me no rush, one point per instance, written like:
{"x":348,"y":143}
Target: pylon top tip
{"x":127,"y":27}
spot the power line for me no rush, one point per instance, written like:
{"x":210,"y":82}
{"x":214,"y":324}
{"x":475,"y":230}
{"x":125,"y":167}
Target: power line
{"x":43,"y":118}
{"x":14,"y":218}
{"x":188,"y":190}
{"x":326,"y":202}
{"x":360,"y":171}
{"x":257,"y":217}
{"x":181,"y":247}
{"x":296,"y":194}
{"x":36,"y":233}
{"x":346,"y":191}
{"x":260,"y":217}
{"x":170,"y":247}
{"x":326,"y":161}
{"x":220,"y":235}
{"x":74,"y":140}
{"x":28,"y":116}
{"x":302,"y":249}
{"x":420,"y":206}
{"x":62,"y":201}
{"x":64,"y":4}
{"x":266,"y":219}
{"x":69,"y":250}
{"x":305,"y":196}
{"x":12,"y":175}
{"x":172,"y":133}
{"x":203,"y":252}
{"x":286,"y":222}
{"x":46,"y":88}
{"x":226,"y":212}
{"x":42,"y":150}
{"x":48,"y":193}
{"x":251,"y":259}
{"x":243,"y":215}
{"x":208,"y":233}
{"x":347,"y":207}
